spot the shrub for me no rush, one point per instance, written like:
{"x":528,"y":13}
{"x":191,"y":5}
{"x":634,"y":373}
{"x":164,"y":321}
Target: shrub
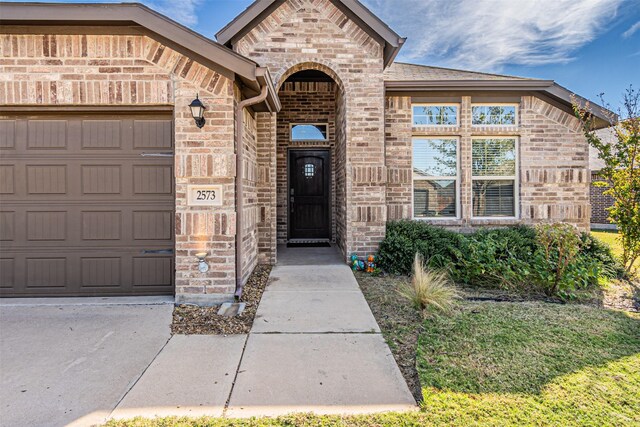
{"x":497,"y":258}
{"x":559,"y":246}
{"x":554,"y":258}
{"x":438,"y":247}
{"x":429,"y":290}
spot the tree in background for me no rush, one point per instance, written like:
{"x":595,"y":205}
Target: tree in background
{"x":621,"y":173}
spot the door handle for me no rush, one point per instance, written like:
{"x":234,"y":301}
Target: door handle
{"x":165,"y":154}
{"x":292,"y":201}
{"x":157,"y":252}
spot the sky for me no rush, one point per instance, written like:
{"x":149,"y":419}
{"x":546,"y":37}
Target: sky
{"x":588,"y":46}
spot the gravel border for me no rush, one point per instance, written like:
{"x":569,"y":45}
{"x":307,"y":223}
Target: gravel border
{"x":194,"y":320}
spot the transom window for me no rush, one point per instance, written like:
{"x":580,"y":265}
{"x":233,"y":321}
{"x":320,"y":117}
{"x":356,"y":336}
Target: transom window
{"x":505,"y":115}
{"x":435,"y":115}
{"x":435,"y":177}
{"x":494,"y":177}
{"x":309,"y":132}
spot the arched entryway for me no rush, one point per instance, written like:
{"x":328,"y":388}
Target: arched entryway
{"x":311,"y":157}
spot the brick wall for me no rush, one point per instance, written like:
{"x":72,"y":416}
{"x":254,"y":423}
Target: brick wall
{"x":315,"y":34}
{"x":251,"y":210}
{"x":554,"y":165}
{"x":553,"y":162}
{"x":398,"y":157}
{"x":267,"y":247}
{"x":124,"y":70}
{"x":303,"y":102}
{"x":599,"y":202}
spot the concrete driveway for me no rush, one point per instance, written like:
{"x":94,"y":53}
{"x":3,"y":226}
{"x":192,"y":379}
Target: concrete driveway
{"x":72,"y":364}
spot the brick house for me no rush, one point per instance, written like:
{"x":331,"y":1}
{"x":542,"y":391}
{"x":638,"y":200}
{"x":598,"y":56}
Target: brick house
{"x":311,"y":133}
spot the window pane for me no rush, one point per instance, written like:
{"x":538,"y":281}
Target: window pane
{"x":494,"y":157}
{"x":494,"y":114}
{"x":309,"y":132}
{"x":434,"y":198}
{"x":434,"y":157}
{"x":424,"y":115}
{"x":493,"y":198}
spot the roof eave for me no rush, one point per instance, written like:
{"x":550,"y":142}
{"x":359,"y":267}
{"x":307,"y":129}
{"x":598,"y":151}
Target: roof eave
{"x":436,"y":85}
{"x":391,"y":41}
{"x":125,"y":14}
{"x":549,"y":88}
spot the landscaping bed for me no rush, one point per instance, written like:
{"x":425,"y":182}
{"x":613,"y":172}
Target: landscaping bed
{"x":194,"y":320}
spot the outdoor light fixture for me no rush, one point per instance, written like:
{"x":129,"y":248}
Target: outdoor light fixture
{"x":203,"y":267}
{"x":197,"y":111}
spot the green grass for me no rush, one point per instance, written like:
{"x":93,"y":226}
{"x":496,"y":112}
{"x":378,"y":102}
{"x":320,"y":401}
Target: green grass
{"x":532,"y":364}
{"x":507,"y":364}
{"x":611,"y":239}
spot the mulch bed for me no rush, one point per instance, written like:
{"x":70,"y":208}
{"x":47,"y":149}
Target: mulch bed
{"x":193,"y":320}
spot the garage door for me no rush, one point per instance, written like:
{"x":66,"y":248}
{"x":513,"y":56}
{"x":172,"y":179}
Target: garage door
{"x":86,"y":204}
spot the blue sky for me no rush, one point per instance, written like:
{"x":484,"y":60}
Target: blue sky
{"x":588,"y":46}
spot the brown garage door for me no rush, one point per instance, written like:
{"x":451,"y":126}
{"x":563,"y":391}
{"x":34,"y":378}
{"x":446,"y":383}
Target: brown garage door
{"x":86,"y":204}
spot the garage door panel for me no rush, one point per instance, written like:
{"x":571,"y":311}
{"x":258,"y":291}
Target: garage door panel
{"x":101,"y":179}
{"x":105,"y":225}
{"x":7,"y":272}
{"x":101,"y":225}
{"x":7,"y":226}
{"x":101,"y":272}
{"x":124,"y":180}
{"x":152,"y":271}
{"x":46,"y":272}
{"x":152,"y":179}
{"x":150,"y":134}
{"x":7,"y":134}
{"x":7,"y":180}
{"x":83,"y":212}
{"x":82,"y":271}
{"x":47,"y":225}
{"x":46,"y":134}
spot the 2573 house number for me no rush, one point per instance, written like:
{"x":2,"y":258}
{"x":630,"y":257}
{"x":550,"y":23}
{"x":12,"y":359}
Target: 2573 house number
{"x":204,"y":195}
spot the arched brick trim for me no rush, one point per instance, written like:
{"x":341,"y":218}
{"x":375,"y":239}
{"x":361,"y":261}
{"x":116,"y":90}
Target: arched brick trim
{"x":293,"y":67}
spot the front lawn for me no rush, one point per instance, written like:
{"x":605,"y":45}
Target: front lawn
{"x":532,"y":364}
{"x":611,"y":239}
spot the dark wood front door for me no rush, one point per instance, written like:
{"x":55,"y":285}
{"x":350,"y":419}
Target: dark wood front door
{"x":309,"y":188}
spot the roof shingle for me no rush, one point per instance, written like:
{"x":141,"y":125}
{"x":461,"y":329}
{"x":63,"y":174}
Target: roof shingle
{"x":400,"y":71}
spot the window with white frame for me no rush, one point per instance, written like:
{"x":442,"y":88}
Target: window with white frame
{"x":435,"y":177}
{"x":502,"y":115}
{"x":494,"y":177}
{"x":435,"y":115}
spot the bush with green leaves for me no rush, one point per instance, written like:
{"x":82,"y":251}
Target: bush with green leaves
{"x":554,"y":258}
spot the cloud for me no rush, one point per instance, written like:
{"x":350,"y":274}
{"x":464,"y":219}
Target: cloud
{"x":488,"y":34}
{"x":632,"y":30}
{"x":183,"y":11}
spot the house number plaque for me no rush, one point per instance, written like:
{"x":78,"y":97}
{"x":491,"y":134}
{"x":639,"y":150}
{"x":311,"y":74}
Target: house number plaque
{"x":204,"y":195}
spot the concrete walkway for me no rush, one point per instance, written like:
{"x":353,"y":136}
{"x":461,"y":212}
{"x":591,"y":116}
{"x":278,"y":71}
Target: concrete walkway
{"x":314,"y":347}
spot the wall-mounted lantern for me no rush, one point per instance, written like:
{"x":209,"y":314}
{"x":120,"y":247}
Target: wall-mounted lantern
{"x":197,"y":111}
{"x":203,"y":267}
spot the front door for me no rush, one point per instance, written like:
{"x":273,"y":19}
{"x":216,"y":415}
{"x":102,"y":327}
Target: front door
{"x":309,"y":187}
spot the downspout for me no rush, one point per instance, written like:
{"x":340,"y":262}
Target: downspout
{"x":239,"y":119}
